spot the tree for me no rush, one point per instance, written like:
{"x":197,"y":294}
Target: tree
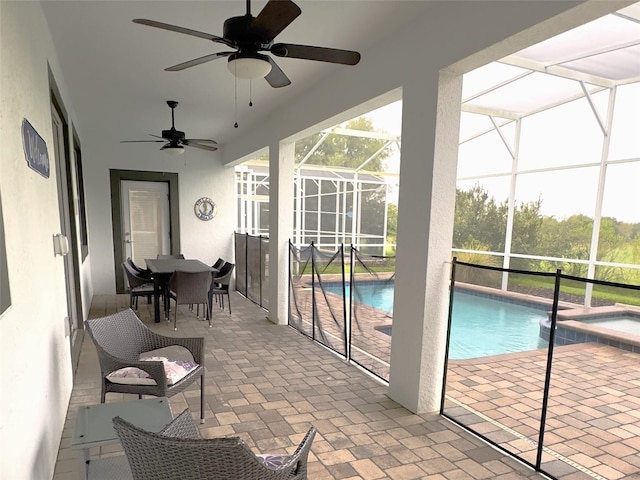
{"x":479,"y":219}
{"x":352,"y":152}
{"x":527,"y":221}
{"x":569,"y":238}
{"x":344,"y":150}
{"x":481,"y":222}
{"x":392,"y":228}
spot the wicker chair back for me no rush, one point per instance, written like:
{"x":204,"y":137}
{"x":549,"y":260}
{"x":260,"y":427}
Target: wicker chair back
{"x":190,"y":288}
{"x":176,"y":454}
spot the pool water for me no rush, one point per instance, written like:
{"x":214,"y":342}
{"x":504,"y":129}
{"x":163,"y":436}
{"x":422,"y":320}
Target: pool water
{"x":480,"y":326}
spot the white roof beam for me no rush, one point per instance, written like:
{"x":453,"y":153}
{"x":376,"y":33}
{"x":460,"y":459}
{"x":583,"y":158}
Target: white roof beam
{"x":494,"y":112}
{"x":587,"y":95}
{"x":593,"y":53}
{"x":557,"y":71}
{"x":496,"y":86}
{"x":512,"y":115}
{"x":313,"y":150}
{"x":380,"y":150}
{"x":363,"y":134}
{"x":502,"y":137}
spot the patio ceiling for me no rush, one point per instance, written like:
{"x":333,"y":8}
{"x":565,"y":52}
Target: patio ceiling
{"x":114,"y":68}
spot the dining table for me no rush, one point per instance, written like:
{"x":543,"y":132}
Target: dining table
{"x":161,"y":271}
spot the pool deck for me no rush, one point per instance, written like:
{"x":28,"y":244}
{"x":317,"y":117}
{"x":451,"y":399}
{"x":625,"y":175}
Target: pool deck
{"x":593,"y":419}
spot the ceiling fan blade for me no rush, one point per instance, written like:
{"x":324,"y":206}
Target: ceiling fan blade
{"x":198,"y":61}
{"x":273,"y":19}
{"x":320,"y":54}
{"x":143,"y":141}
{"x":186,"y":31}
{"x":199,"y":140}
{"x":202,"y":146}
{"x":276,"y":76}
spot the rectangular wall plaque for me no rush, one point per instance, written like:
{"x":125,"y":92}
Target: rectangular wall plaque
{"x":35,"y":149}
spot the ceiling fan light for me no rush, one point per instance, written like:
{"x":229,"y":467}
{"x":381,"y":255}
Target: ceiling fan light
{"x":173,"y":149}
{"x":249,"y":67}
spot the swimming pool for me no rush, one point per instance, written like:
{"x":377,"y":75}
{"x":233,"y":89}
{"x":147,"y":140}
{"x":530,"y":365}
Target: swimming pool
{"x":480,"y":325}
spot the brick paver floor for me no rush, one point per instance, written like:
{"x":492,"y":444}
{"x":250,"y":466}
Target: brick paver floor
{"x":268,"y":384}
{"x":593,"y":419}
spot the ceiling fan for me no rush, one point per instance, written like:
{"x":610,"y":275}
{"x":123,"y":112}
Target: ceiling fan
{"x":175,"y":141}
{"x":249,"y":35}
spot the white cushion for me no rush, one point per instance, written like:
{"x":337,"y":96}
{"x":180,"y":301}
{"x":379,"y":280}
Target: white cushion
{"x":172,"y":352}
{"x":178,"y":363}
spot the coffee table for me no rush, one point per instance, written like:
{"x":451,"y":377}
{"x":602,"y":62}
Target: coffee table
{"x":94,"y":428}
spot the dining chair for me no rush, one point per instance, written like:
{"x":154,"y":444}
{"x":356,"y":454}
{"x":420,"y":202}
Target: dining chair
{"x":134,"y":359}
{"x":189,"y":288}
{"x":142,"y":272}
{"x":220,"y":287}
{"x":179,"y":452}
{"x":218,"y":263}
{"x":138,"y":286}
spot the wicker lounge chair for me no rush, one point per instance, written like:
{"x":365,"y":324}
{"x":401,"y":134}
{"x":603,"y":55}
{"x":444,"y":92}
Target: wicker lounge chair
{"x":122,"y":341}
{"x":178,"y":453}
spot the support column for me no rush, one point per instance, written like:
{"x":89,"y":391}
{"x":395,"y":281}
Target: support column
{"x":281,"y":161}
{"x":431,"y":119}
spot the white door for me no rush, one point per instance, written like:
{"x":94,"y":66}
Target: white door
{"x":145,"y":220}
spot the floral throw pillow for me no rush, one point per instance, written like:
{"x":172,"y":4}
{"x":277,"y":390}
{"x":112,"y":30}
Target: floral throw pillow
{"x":175,"y":370}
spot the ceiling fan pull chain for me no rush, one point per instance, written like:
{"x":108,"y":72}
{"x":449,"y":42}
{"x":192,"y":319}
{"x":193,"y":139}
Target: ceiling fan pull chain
{"x":250,"y":93}
{"x":235,"y":83}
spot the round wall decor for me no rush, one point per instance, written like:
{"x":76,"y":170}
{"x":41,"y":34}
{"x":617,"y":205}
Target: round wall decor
{"x":205,"y":209}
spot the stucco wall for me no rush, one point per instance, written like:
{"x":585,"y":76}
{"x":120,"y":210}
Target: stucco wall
{"x":200,"y":174}
{"x":35,"y":364}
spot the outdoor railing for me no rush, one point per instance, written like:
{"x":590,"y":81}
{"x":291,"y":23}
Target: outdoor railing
{"x":540,"y":376}
{"x":330,"y":301}
{"x":252,"y":267}
{"x":528,"y":368}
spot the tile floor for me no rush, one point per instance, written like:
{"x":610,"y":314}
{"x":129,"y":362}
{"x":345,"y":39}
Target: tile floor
{"x":268,"y":383}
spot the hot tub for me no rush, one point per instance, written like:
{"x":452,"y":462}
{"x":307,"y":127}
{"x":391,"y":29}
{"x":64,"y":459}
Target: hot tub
{"x":618,"y":326}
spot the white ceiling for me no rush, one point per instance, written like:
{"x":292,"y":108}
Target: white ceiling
{"x":114,"y":69}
